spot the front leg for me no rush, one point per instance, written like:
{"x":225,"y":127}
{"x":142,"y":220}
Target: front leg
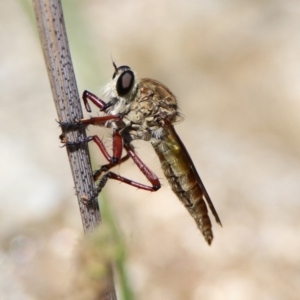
{"x":99,"y":121}
{"x":94,"y":99}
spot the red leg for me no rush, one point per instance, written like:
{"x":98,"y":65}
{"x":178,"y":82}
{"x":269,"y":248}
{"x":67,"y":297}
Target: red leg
{"x":94,"y":99}
{"x":107,"y":167}
{"x":117,"y":147}
{"x":130,"y":182}
{"x":112,"y":175}
{"x":100,"y":121}
{"x":130,"y":153}
{"x":144,"y":169}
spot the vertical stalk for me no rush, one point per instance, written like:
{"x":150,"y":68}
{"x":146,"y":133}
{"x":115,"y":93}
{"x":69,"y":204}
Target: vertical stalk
{"x":53,"y":36}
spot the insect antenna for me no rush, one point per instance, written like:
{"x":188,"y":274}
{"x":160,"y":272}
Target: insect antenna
{"x":114,"y":64}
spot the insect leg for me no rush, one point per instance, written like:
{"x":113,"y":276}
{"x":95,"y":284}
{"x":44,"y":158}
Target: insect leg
{"x":147,"y":172}
{"x":94,"y":99}
{"x":112,"y":175}
{"x":117,"y":146}
{"x":100,"y":121}
{"x":132,"y":183}
{"x":107,"y":167}
{"x":144,"y":169}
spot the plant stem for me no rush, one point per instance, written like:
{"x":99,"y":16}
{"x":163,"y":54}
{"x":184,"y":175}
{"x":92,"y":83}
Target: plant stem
{"x":53,"y":36}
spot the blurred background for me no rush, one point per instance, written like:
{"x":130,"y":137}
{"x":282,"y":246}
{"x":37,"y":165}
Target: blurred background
{"x":235,"y":69}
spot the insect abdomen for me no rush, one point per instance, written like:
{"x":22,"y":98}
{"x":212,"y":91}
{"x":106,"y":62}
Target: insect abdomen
{"x":176,"y":167}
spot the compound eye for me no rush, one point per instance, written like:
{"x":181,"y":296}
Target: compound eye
{"x":125,"y":83}
{"x":119,"y":69}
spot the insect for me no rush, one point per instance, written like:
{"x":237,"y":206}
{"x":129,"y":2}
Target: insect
{"x":146,"y":109}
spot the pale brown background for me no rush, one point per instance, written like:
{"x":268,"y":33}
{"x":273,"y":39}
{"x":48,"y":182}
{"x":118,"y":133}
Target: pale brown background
{"x":235,"y":68}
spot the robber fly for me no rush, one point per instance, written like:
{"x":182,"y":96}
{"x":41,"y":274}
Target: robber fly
{"x":146,"y":109}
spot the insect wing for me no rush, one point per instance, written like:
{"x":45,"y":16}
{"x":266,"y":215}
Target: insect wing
{"x":187,"y":157}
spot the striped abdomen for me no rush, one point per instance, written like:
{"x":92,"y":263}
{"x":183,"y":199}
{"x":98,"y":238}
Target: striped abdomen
{"x":184,"y":180}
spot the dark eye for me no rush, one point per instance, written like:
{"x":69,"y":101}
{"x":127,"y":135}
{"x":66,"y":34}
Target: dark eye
{"x":119,"y":69}
{"x":125,"y":83}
